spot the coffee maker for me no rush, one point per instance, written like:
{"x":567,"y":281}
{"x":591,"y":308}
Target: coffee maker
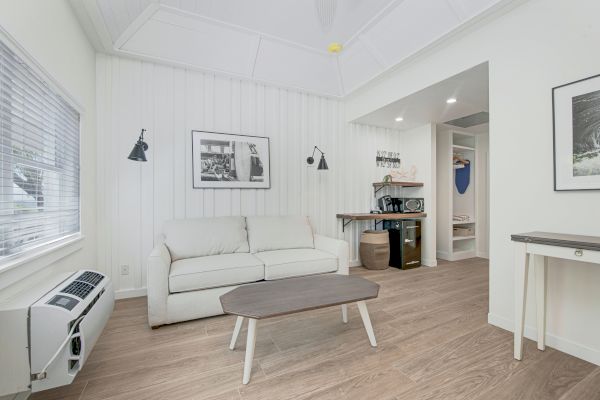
{"x":385,"y":204}
{"x":389,"y":204}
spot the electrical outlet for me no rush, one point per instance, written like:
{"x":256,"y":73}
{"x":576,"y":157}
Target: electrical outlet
{"x":124,"y":269}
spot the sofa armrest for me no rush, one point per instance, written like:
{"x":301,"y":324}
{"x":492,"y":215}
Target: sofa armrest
{"x":159,"y":265}
{"x":338,"y":247}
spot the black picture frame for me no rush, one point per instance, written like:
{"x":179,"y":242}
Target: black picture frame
{"x":258,"y":151}
{"x":564,"y":179}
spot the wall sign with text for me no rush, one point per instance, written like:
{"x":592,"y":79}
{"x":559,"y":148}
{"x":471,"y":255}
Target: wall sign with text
{"x":387,"y":159}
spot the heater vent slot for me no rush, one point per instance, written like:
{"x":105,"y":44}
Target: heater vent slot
{"x":79,"y":289}
{"x":93,"y":278}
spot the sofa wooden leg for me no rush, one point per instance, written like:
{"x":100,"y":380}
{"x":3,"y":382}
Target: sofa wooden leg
{"x":155,"y":327}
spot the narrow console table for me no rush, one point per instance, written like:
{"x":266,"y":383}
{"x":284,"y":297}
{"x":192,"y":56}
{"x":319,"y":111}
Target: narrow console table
{"x":534,"y":248}
{"x":347,"y":218}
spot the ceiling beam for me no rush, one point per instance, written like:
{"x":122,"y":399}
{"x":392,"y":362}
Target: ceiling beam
{"x":136,"y":24}
{"x":93,"y":24}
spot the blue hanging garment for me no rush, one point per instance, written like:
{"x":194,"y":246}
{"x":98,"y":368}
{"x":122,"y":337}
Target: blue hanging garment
{"x":462,"y":177}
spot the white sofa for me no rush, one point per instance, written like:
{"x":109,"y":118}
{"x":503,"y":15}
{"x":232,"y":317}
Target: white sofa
{"x":203,"y":258}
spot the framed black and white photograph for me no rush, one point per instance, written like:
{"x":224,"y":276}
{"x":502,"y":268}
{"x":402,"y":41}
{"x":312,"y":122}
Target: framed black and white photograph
{"x":576,"y":113}
{"x":227,"y":161}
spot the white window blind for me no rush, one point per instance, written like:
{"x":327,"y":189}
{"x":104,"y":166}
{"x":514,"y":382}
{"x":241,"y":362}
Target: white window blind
{"x":39,"y":156}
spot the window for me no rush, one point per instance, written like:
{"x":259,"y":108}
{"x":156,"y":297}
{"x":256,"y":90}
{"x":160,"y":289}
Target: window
{"x":39,"y":158}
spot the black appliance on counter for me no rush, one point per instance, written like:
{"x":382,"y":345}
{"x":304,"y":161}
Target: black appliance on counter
{"x":405,"y":243}
{"x":389,"y":204}
{"x":412,"y":205}
{"x":385,"y":204}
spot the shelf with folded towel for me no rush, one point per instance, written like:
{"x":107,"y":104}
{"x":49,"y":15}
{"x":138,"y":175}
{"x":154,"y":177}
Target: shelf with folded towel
{"x":471,"y":221}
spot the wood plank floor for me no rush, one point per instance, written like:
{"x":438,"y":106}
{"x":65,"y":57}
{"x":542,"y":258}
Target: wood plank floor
{"x":431,"y":327}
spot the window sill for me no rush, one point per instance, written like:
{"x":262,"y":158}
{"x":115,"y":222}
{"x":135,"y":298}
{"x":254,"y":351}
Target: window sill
{"x":60,"y":249}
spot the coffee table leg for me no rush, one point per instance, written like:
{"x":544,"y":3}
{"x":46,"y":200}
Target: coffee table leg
{"x":345,"y":313}
{"x":364,"y":314}
{"x":236,"y":331}
{"x":250,"y":342}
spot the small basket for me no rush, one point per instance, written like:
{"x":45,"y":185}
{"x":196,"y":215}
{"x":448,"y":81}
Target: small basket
{"x":463,"y":231}
{"x":375,"y":249}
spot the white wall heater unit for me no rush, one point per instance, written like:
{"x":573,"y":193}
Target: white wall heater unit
{"x":48,"y":331}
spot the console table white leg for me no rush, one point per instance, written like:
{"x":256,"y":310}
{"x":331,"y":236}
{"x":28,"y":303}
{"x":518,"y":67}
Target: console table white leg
{"x":364,"y":314}
{"x":345,"y":313}
{"x":250,"y":342}
{"x":541,"y":269}
{"x":236,"y":331}
{"x":521,"y":269}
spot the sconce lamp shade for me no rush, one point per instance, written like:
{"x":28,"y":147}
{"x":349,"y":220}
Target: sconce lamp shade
{"x":322,"y":163}
{"x":138,"y":153}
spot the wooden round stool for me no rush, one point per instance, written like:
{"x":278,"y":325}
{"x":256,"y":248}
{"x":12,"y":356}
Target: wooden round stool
{"x":375,"y":249}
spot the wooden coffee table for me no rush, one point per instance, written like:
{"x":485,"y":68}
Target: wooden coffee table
{"x":289,"y":296}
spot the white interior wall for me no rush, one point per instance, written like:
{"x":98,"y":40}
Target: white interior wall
{"x":534,"y":46}
{"x":50,"y":33}
{"x":443,"y":181}
{"x":483,"y":204}
{"x":136,"y":198}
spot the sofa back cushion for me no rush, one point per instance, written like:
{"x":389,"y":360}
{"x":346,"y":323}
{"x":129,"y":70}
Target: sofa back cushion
{"x":199,"y":237}
{"x":278,"y":233}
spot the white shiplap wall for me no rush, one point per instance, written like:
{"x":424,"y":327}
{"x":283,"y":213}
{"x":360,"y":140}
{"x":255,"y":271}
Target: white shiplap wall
{"x":136,"y":198}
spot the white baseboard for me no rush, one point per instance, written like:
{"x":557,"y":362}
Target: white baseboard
{"x":429,"y":262}
{"x":482,"y":254}
{"x":557,"y":342}
{"x":130,"y":293}
{"x":355,"y":263}
{"x":16,"y":396}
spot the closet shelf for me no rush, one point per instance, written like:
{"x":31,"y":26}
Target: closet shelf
{"x":463,"y":237}
{"x":456,"y":146}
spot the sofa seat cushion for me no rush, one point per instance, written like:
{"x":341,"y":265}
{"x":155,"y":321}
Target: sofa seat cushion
{"x":214,"y":271}
{"x":288,"y":263}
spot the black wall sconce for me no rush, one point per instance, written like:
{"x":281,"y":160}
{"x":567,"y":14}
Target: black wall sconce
{"x":322,"y":163}
{"x":139,"y":149}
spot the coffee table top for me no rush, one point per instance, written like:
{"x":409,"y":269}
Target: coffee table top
{"x":287,"y":296}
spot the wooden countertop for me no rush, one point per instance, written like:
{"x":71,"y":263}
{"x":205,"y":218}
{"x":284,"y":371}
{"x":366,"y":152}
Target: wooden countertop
{"x":367,"y":216}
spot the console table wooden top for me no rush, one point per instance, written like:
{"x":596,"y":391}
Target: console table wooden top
{"x":559,"y":239}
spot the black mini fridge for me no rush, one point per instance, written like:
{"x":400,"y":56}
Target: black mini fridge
{"x":405,"y":243}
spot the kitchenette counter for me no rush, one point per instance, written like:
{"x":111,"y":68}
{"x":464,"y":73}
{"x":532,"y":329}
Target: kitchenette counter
{"x":349,"y":217}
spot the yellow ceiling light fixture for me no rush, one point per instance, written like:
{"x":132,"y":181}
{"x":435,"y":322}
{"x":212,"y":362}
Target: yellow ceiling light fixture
{"x":335,"y":48}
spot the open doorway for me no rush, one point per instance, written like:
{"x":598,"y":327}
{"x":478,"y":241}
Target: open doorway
{"x":455,"y":113}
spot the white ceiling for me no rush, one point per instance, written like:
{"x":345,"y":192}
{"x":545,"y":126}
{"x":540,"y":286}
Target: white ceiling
{"x":470,"y":89}
{"x":278,"y":41}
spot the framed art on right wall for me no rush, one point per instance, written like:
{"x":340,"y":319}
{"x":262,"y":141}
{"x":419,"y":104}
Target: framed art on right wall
{"x":576,"y":122}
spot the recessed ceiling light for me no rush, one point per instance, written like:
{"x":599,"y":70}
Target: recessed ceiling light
{"x":399,"y":119}
{"x":451,"y":100}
